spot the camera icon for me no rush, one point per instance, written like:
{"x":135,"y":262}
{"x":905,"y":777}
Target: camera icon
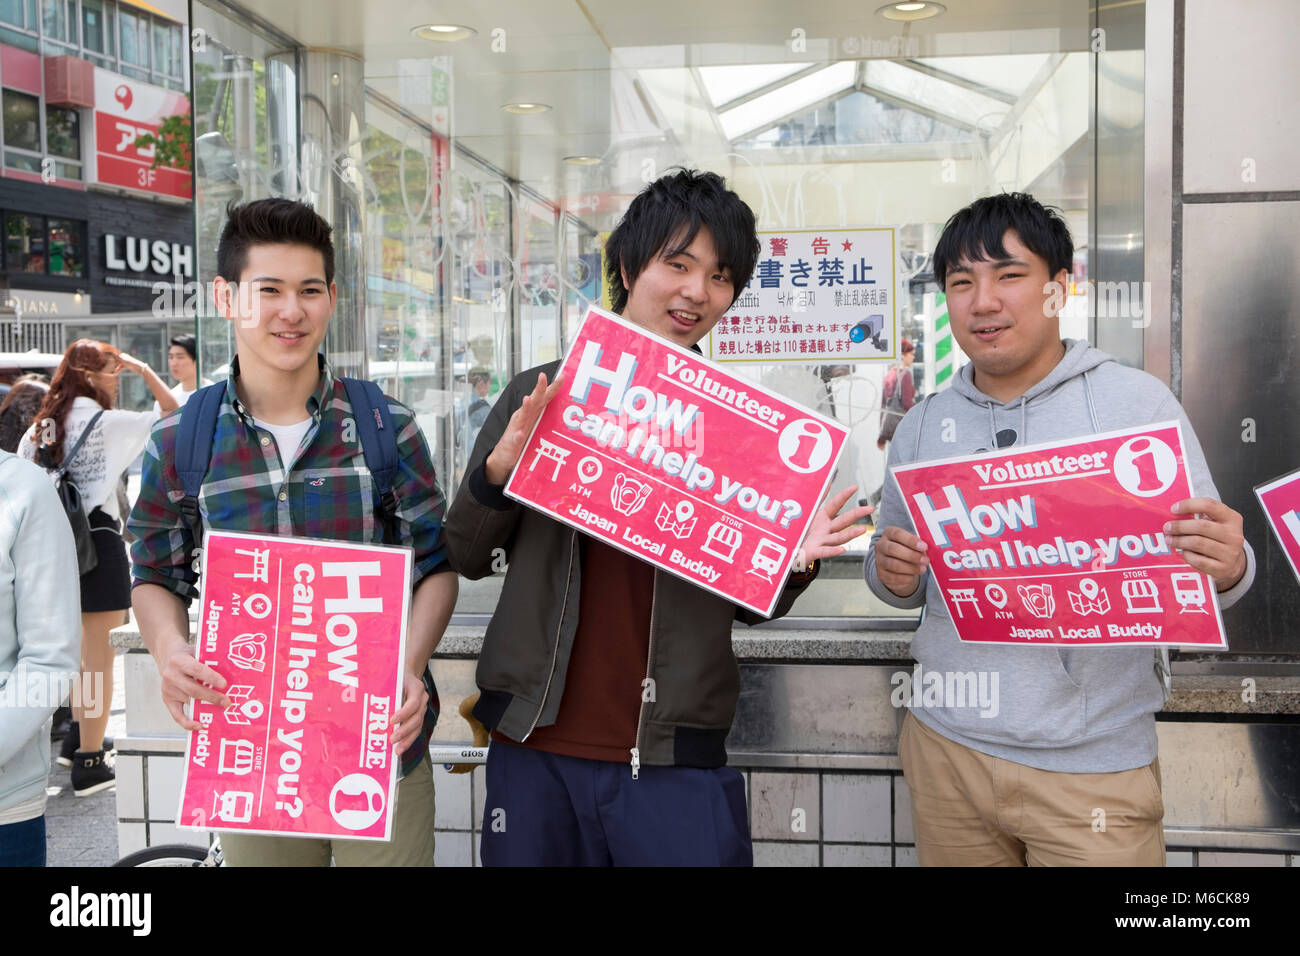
{"x":870,"y":328}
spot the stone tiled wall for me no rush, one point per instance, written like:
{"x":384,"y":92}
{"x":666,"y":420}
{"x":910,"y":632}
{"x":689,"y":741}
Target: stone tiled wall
{"x":148,"y":790}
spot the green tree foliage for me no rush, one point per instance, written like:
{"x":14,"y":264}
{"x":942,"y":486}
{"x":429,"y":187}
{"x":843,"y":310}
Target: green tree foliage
{"x":173,"y":144}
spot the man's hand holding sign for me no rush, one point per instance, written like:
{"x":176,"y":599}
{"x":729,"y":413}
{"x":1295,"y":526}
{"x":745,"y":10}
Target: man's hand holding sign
{"x":1211,"y":542}
{"x":677,"y":462}
{"x":1018,"y":560}
{"x":827,"y":534}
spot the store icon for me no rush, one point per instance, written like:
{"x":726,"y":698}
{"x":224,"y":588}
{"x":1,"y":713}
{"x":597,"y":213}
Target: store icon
{"x":1141,"y":596}
{"x":236,"y":757}
{"x":722,"y":541}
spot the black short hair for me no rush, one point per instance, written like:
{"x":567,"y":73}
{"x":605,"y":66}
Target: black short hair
{"x":671,"y":210}
{"x":976,"y":232}
{"x":188,"y":343}
{"x":271,"y":221}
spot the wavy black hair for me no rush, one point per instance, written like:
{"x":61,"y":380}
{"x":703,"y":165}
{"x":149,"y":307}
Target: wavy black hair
{"x":975,"y":233}
{"x":270,"y":222}
{"x":663,"y":221}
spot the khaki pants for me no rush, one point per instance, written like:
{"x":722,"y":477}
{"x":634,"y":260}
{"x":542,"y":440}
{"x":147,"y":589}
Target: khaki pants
{"x":412,"y":843}
{"x":970,"y":809}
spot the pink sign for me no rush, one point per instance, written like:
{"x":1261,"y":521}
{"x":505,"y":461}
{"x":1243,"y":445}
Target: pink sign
{"x":310,"y":637}
{"x":126,"y":109}
{"x":659,"y":452}
{"x":1063,"y":543}
{"x":1280,"y":500}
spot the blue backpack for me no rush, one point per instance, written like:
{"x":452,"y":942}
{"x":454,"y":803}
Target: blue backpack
{"x":198,"y":427}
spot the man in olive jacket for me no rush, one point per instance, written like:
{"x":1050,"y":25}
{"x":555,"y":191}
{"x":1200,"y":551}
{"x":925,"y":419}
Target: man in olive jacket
{"x":610,"y":686}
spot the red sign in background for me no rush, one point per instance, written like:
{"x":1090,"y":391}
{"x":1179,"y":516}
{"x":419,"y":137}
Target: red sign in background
{"x":1063,"y":543}
{"x":662,"y":453}
{"x":310,"y":637}
{"x":1280,"y":499}
{"x":126,"y":109}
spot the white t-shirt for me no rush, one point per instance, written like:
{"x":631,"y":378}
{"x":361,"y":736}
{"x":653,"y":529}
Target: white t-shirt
{"x":287,"y":438}
{"x":117,"y":440}
{"x":182,"y":394}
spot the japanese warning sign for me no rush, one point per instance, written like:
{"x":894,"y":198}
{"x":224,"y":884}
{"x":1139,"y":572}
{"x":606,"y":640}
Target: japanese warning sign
{"x":817,"y":295}
{"x":310,"y":636}
{"x":677,"y":462}
{"x":1063,"y":543}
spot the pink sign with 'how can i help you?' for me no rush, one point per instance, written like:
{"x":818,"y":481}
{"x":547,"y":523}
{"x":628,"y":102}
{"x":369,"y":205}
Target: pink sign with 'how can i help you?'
{"x":1280,"y":499}
{"x":659,"y":452}
{"x":310,"y":637}
{"x":1063,"y":543}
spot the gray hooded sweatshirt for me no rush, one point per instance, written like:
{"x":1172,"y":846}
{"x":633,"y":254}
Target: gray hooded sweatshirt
{"x":1079,"y":710}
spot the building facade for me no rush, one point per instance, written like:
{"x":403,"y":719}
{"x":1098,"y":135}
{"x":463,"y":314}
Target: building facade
{"x":94,"y":217}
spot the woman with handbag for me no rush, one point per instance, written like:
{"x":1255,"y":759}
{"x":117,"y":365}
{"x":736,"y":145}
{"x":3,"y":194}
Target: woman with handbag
{"x":78,"y":431}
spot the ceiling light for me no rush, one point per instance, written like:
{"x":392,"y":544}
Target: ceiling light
{"x":443,"y":32}
{"x":525,"y":108}
{"x":582,"y":160}
{"x":911,"y":11}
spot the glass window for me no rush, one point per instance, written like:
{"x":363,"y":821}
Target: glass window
{"x":62,"y":132}
{"x":11,"y":11}
{"x":166,"y":49}
{"x":134,"y":34}
{"x":65,"y":246}
{"x":160,"y":51}
{"x":24,"y":243}
{"x":22,"y":121}
{"x":97,"y":27}
{"x":175,"y":34}
{"x":22,"y":15}
{"x":59,"y":20}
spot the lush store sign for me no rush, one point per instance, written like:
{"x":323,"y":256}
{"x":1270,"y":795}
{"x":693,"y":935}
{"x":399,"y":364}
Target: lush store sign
{"x":145,"y":259}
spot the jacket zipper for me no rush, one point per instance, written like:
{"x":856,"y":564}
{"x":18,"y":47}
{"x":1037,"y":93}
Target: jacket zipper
{"x":573,"y":540}
{"x":645,"y":704}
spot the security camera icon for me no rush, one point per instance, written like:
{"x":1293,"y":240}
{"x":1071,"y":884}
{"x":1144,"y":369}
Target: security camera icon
{"x":870,"y":327}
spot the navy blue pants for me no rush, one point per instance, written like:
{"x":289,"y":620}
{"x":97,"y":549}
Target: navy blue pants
{"x":548,"y":810}
{"x":23,"y":844}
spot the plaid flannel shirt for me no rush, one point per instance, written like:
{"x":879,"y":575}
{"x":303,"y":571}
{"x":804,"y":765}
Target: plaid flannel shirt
{"x":326,"y":493}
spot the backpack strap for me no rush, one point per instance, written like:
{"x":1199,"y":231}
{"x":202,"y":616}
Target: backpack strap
{"x":378,"y":444}
{"x":85,"y":433}
{"x":198,"y":427}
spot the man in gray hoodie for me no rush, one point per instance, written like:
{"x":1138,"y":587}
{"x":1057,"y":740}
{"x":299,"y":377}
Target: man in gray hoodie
{"x":1075,"y":730}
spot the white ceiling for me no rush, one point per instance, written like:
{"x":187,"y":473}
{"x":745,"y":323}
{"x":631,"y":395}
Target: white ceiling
{"x":616,"y":71}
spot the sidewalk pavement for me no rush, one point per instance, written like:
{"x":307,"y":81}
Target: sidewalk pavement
{"x":83,"y":832}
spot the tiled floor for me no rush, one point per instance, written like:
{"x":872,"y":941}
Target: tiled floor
{"x":84,"y":832}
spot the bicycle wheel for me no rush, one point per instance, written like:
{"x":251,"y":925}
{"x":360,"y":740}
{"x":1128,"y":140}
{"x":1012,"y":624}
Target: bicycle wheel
{"x":169,"y":854}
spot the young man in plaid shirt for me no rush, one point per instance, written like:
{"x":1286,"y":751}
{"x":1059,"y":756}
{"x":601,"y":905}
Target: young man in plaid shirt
{"x":286,"y":460}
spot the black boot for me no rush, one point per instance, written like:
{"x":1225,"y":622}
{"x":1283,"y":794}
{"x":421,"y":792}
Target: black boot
{"x":91,"y":773}
{"x":72,"y":742}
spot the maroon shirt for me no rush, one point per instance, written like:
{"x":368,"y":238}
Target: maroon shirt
{"x":601,"y":702}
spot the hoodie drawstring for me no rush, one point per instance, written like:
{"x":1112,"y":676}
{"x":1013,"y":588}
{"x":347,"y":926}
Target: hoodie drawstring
{"x":1092,"y":409}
